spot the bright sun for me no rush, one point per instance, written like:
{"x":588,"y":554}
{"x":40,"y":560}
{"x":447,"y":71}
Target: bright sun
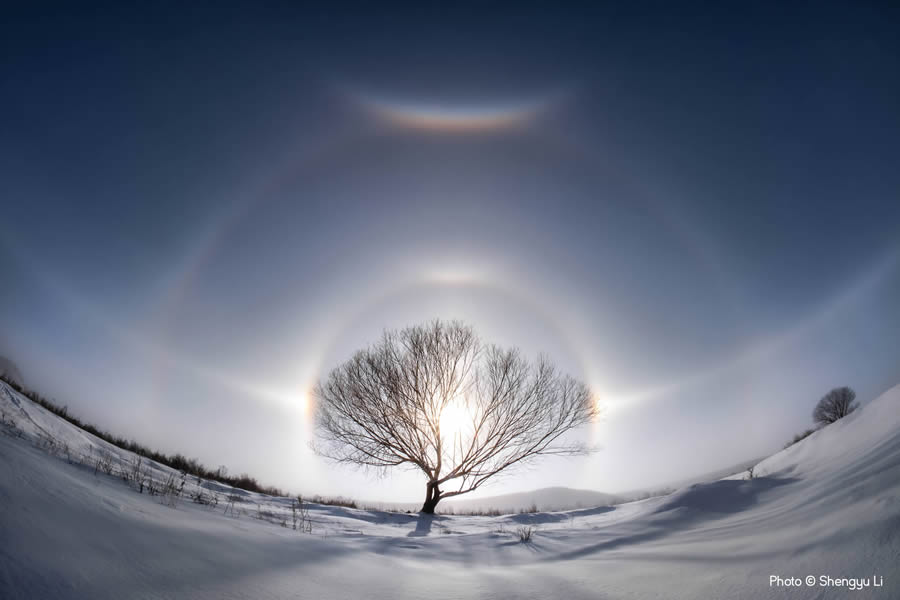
{"x":454,"y":421}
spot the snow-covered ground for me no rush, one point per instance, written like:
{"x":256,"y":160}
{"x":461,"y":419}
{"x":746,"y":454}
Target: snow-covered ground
{"x":827,"y":506}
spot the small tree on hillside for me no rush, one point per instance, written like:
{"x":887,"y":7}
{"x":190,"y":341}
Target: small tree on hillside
{"x":433,"y":398}
{"x":834,"y":405}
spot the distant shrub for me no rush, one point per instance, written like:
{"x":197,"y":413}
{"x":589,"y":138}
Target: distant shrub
{"x":800,"y":436}
{"x":334,"y":501}
{"x":479,"y":512}
{"x":836,"y":404}
{"x":531,"y":509}
{"x":525,"y":534}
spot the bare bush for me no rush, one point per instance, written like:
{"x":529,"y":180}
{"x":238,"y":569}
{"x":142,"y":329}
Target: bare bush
{"x":530,"y":509}
{"x":9,"y":425}
{"x":47,"y":442}
{"x":103,"y":461}
{"x":334,"y":501}
{"x":135,"y":473}
{"x":835,"y":405}
{"x":230,"y":501}
{"x":525,"y":533}
{"x":204,"y":498}
{"x":300,"y":515}
{"x":267,"y":515}
{"x":385,"y":407}
{"x":472,"y":512}
{"x":172,"y":489}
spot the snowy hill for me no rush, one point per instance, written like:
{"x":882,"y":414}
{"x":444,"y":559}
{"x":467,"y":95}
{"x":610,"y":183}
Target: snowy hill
{"x":828,"y":506}
{"x":547,"y":499}
{"x":560,"y":498}
{"x":564,"y":498}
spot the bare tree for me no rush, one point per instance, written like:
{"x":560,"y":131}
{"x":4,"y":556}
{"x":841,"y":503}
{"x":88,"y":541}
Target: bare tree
{"x":834,"y":405}
{"x":433,"y":398}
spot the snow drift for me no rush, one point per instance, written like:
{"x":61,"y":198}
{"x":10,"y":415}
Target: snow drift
{"x":827,"y":507}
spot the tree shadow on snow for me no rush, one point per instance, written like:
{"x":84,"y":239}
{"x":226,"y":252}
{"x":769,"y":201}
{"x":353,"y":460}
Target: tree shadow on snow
{"x":423,"y":526}
{"x":687,"y":508}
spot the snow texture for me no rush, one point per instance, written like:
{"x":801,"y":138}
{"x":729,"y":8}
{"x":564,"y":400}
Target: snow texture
{"x":827,"y":506}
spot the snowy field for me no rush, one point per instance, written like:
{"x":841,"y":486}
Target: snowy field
{"x":828,"y":506}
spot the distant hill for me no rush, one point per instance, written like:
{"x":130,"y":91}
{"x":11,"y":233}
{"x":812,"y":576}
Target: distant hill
{"x":561,"y":498}
{"x":9,"y":370}
{"x":545,"y":499}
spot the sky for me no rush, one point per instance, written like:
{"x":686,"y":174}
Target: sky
{"x":696,"y":210}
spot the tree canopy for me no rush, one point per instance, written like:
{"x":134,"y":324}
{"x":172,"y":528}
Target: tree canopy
{"x":387,"y":407}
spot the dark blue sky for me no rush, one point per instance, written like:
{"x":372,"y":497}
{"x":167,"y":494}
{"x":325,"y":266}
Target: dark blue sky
{"x":697,"y":209}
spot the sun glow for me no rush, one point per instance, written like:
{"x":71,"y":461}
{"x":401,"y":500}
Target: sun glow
{"x":304,"y":401}
{"x":455,"y":421}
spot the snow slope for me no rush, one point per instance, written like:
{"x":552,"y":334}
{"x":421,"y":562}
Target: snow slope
{"x":563,"y":498}
{"x":547,"y":499}
{"x":829,"y":505}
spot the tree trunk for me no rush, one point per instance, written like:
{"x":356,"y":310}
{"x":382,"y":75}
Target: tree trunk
{"x":432,"y":497}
